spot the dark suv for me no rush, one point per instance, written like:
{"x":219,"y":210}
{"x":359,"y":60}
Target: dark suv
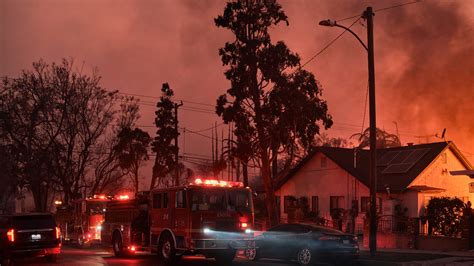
{"x":29,"y":235}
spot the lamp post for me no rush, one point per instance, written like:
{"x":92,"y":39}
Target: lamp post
{"x":368,"y":15}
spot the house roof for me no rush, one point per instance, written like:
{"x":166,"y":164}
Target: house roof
{"x":359,"y":167}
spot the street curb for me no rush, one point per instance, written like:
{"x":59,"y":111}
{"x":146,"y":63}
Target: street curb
{"x":379,"y":263}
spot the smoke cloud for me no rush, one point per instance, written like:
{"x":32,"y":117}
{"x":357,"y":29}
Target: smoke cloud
{"x":424,"y":57}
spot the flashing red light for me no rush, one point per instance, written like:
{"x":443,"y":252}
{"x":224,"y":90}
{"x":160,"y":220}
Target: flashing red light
{"x":101,"y":196}
{"x":11,"y":235}
{"x":244,"y":225}
{"x":89,"y":235}
{"x":58,"y":232}
{"x":123,"y":197}
{"x":132,"y":248}
{"x":217,"y":183}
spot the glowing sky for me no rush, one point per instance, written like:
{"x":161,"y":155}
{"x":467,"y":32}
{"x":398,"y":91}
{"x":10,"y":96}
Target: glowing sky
{"x":424,"y":57}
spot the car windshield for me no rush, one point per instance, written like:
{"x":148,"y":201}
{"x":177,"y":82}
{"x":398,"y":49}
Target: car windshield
{"x":219,"y":199}
{"x":29,"y":222}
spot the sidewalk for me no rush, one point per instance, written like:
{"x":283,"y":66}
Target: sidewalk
{"x":410,"y":257}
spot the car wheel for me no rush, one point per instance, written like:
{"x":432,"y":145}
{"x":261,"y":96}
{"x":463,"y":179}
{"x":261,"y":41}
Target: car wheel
{"x":305,"y":256}
{"x":51,"y":258}
{"x":225,"y":257}
{"x":167,"y":250}
{"x":117,"y":245}
{"x":252,"y":254}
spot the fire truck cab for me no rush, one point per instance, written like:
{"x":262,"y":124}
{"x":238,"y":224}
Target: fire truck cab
{"x":82,"y":223}
{"x":208,"y":217}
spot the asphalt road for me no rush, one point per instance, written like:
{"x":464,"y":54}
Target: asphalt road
{"x":98,"y":256}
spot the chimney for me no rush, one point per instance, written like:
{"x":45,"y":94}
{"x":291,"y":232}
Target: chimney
{"x":410,"y":144}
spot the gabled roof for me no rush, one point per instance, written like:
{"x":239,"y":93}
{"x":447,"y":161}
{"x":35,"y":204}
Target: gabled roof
{"x":395,"y":181}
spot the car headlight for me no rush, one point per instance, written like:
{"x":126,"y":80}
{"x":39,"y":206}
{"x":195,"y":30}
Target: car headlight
{"x":206,"y":230}
{"x":248,"y":231}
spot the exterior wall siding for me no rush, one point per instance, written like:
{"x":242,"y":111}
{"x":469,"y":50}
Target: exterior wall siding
{"x":438,"y":175}
{"x":324,"y":182}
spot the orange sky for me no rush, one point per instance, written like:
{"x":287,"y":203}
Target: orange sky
{"x":424,"y":57}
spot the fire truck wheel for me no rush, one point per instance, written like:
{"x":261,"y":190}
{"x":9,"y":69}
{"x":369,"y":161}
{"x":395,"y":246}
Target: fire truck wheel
{"x":117,"y":245}
{"x":166,"y":249}
{"x":225,"y":257}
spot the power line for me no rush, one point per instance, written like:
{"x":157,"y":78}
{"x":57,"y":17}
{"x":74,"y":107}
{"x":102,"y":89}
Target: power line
{"x":329,"y":44}
{"x":156,"y":97}
{"x":199,"y":134}
{"x":381,"y":9}
{"x":209,"y":128}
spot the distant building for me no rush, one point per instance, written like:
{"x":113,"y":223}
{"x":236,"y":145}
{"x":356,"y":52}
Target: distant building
{"x":407,"y":177}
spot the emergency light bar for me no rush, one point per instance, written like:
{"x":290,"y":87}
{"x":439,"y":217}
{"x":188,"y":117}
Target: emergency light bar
{"x":216,"y":183}
{"x":123,"y":197}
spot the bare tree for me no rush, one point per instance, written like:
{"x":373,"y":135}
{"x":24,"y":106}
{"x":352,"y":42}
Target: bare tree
{"x":55,"y":118}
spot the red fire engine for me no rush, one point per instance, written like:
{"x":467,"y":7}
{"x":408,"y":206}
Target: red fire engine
{"x":82,"y":223}
{"x":209,"y":217}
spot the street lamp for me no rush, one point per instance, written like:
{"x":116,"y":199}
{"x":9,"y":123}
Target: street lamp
{"x":368,"y":15}
{"x":333,"y":23}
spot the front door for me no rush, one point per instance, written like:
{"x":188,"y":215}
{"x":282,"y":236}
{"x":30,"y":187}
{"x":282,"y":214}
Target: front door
{"x":181,"y":214}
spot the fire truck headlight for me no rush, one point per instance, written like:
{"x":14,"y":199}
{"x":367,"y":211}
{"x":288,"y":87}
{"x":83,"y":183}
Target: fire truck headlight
{"x":99,"y":228}
{"x":207,"y":230}
{"x":248,"y":231}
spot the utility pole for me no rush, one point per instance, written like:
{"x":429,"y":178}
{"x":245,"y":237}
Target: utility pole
{"x":176,"y":106}
{"x":368,"y":15}
{"x":373,"y":131}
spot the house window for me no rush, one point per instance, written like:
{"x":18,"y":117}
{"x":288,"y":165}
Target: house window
{"x":157,"y":201}
{"x":365,"y":204}
{"x":181,"y":199}
{"x":289,"y":203}
{"x":324,"y":162}
{"x":336,"y":202}
{"x":314,"y":204}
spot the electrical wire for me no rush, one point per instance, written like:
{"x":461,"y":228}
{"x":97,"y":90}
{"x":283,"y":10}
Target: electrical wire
{"x":365,"y":108}
{"x":328,"y":45}
{"x":381,"y":9}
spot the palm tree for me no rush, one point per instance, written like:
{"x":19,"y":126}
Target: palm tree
{"x":384,"y":139}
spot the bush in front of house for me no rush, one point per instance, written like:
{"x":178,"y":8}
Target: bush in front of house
{"x":445,"y":216}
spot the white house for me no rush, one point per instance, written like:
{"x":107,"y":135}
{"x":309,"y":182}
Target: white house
{"x":408,"y":176}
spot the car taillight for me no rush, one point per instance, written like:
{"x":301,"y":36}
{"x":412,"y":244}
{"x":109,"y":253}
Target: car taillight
{"x":58,"y":232}
{"x":11,"y":235}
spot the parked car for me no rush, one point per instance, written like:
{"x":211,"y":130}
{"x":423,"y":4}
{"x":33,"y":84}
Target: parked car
{"x":307,"y":244}
{"x":29,"y":235}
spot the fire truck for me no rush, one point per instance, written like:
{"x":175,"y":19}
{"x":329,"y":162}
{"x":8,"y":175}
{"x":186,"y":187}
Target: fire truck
{"x":207,"y":217}
{"x":82,"y":222}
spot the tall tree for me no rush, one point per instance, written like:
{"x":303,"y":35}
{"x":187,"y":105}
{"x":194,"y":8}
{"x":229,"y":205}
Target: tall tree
{"x":108,"y":177}
{"x":163,"y":145}
{"x":269,"y":91}
{"x":383,"y":139}
{"x":132,"y":150}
